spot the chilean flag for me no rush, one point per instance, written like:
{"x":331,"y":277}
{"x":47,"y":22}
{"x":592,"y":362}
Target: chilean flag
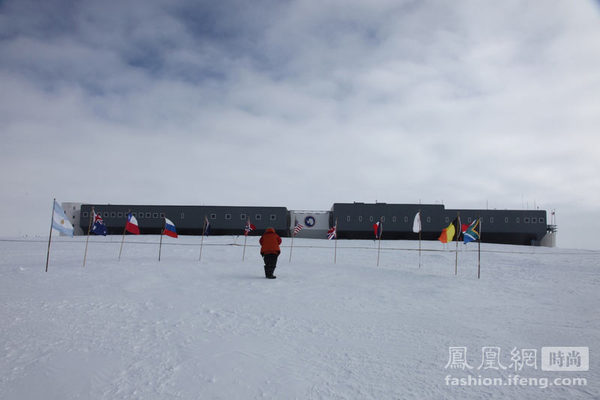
{"x":378,"y":229}
{"x":170,"y":228}
{"x":132,"y":225}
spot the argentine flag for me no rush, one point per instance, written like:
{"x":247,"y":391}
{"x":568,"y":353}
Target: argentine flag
{"x":60,"y":221}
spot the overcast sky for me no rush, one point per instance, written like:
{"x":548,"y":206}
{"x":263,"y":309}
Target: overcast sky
{"x":301,"y":104}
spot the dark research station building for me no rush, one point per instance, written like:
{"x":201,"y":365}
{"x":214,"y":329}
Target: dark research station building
{"x":354,"y":220}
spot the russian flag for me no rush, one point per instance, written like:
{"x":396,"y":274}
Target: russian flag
{"x":132,"y":225}
{"x":170,"y":228}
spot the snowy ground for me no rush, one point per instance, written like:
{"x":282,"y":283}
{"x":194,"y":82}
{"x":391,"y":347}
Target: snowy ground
{"x":180,"y":329}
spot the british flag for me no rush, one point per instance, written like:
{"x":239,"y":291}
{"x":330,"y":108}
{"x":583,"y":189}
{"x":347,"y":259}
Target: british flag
{"x":332,"y":233}
{"x":249,"y":228}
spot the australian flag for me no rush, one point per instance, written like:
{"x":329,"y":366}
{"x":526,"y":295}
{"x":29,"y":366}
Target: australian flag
{"x":98,"y":228}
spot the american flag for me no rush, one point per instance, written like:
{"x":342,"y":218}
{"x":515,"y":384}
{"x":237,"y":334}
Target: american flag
{"x":298,"y":227}
{"x":249,"y":228}
{"x":332,"y":233}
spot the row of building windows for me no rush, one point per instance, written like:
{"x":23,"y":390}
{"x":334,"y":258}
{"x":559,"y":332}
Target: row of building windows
{"x":273,"y":217}
{"x":141,"y":215}
{"x":244,"y":217}
{"x":382,"y":219}
{"x":120,"y":214}
{"x":527,"y":220}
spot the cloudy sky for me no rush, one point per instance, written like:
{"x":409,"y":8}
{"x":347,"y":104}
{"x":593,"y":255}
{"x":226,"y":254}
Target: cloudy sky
{"x":301,"y":104}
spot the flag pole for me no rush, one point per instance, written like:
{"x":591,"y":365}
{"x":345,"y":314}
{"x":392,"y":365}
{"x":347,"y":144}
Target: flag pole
{"x":244,"y":252}
{"x":459,"y":229}
{"x":292,"y":246}
{"x":479,"y":251}
{"x":50,"y":236}
{"x":245,"y":238}
{"x":88,"y":236}
{"x":123,"y":239}
{"x":420,"y":229}
{"x":202,"y":240}
{"x":161,"y":235}
{"x":379,"y":240}
{"x":378,"y":250}
{"x":335,"y":247}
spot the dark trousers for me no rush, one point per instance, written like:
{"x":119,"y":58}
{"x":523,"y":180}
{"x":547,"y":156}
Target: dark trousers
{"x":270,"y":263}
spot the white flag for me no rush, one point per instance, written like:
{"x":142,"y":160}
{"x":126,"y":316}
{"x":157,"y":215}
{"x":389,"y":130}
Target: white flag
{"x":417,"y":223}
{"x":60,"y":221}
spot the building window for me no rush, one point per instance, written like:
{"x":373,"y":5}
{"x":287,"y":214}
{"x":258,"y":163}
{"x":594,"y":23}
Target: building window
{"x":469,"y":219}
{"x":213,"y":216}
{"x":243,"y":217}
{"x":162,"y":215}
{"x":541,"y":220}
{"x":518,"y":220}
{"x":134,"y":214}
{"x":120,"y":214}
{"x":506,"y":220}
{"x":105,"y":214}
{"x":526,"y":220}
{"x":394,"y":219}
{"x":429,"y":219}
{"x":84,"y":214}
{"x":405,"y":219}
{"x":182,"y":216}
{"x":360,"y":218}
{"x":382,"y":219}
{"x":348,"y":218}
{"x":371,"y":218}
{"x":228,"y":216}
{"x":113,"y":214}
{"x":447,"y":220}
{"x":273,"y":217}
{"x":155,"y":215}
{"x":491,"y":220}
{"x":257,"y":217}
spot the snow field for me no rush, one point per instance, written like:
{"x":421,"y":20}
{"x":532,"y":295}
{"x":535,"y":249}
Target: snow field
{"x":216,"y":329}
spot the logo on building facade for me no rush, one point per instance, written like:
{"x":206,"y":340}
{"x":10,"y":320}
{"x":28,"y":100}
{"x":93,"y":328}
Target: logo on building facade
{"x":309,"y":221}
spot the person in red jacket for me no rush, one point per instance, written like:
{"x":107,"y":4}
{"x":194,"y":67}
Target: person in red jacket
{"x":269,"y":250}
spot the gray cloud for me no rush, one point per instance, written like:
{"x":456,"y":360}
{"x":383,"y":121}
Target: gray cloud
{"x":300,"y":103}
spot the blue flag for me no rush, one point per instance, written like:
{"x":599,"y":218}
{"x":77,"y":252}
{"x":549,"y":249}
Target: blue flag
{"x":98,"y":228}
